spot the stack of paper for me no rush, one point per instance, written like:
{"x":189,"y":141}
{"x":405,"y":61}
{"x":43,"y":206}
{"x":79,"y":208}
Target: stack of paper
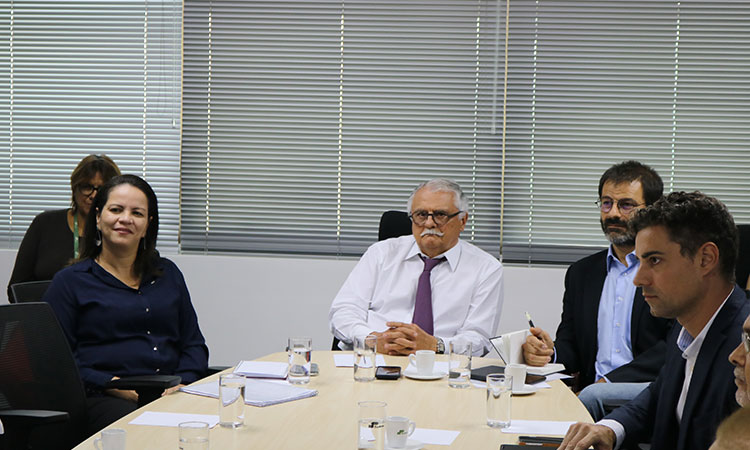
{"x":257,"y":392}
{"x":262,"y":369}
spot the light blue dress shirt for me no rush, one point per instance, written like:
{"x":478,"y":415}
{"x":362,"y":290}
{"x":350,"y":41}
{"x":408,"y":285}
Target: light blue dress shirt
{"x":615,"y":311}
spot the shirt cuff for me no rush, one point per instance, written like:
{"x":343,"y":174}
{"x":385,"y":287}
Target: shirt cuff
{"x":617,"y":428}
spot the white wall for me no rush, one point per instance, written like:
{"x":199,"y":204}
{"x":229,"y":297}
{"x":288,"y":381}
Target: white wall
{"x":248,"y":305}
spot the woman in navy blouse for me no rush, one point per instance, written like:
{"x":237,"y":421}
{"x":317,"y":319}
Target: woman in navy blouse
{"x":125,"y":310}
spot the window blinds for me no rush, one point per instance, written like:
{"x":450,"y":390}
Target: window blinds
{"x":594,"y":83}
{"x":81,"y":77}
{"x":305,"y":121}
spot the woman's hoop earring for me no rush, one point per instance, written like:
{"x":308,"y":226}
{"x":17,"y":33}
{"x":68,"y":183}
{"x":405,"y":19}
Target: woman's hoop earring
{"x":98,"y":240}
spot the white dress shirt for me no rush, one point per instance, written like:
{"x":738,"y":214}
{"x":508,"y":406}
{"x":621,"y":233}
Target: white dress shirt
{"x":467,"y":293}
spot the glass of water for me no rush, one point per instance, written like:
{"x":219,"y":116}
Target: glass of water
{"x":459,"y":360}
{"x":193,"y":435}
{"x":300,"y":352}
{"x":498,"y":400}
{"x":364,"y":357}
{"x":231,"y":400}
{"x":371,"y":425}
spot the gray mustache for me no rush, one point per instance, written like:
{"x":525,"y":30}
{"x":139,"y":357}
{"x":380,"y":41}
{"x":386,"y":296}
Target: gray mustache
{"x":429,"y":231}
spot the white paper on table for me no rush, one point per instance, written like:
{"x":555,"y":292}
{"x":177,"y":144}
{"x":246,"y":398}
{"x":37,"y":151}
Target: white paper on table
{"x":347,"y":360}
{"x":543,"y":427}
{"x":262,"y":369}
{"x":558,"y":376}
{"x":168,"y":419}
{"x":434,"y":437}
{"x":257,"y":392}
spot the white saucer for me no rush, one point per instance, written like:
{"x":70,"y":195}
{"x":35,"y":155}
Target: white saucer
{"x":527,"y":390}
{"x":412,"y":373}
{"x":411,"y":444}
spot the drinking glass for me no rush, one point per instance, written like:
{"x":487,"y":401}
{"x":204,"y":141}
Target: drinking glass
{"x":364,"y":357}
{"x":300,"y":352}
{"x":193,"y":435}
{"x":371,"y":425}
{"x":498,"y":400}
{"x":459,"y":360}
{"x":231,"y":400}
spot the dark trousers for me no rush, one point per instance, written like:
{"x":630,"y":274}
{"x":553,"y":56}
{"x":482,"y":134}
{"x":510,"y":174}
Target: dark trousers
{"x":105,"y":409}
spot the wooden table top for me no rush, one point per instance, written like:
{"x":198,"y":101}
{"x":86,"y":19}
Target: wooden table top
{"x":329,"y":420}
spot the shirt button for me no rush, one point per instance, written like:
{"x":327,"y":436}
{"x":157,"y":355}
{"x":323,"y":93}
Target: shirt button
{"x":148,"y":331}
{"x":147,"y":310}
{"x":155,"y":349}
{"x":157,"y":370}
{"x":617,"y":324}
{"x":617,"y":350}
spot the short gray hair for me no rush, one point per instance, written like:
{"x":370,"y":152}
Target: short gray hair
{"x":443,"y":185}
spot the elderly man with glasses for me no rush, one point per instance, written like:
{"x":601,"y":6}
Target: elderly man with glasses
{"x":606,"y":333}
{"x":421,"y":291}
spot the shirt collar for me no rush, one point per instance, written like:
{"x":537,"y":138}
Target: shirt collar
{"x":612,"y":259}
{"x":691,"y":346}
{"x":452,"y":256}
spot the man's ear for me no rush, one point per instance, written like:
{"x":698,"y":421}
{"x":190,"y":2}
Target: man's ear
{"x":708,"y":257}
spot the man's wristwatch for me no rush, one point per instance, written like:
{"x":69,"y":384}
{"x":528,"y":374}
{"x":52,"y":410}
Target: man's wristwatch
{"x":440,"y":347}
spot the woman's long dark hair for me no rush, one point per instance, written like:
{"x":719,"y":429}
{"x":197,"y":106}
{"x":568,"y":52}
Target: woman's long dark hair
{"x":147,"y":256}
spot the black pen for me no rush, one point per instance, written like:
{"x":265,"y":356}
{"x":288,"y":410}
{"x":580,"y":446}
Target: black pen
{"x":531,"y":322}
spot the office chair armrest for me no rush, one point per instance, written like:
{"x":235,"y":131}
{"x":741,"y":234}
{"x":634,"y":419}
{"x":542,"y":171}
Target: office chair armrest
{"x":148,"y":387}
{"x":31,"y":417}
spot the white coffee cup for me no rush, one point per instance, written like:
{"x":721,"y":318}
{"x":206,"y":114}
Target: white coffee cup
{"x":111,"y":439}
{"x":518,"y":372}
{"x":397,"y":430}
{"x":424,"y":360}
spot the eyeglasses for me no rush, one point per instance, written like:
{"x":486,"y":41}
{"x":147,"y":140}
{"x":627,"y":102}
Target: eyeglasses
{"x":746,"y":341}
{"x":440,"y":218}
{"x":625,"y":206}
{"x":87,"y":189}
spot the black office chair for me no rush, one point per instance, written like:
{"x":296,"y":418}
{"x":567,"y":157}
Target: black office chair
{"x":392,"y":224}
{"x":28,"y":291}
{"x":40,"y":387}
{"x":742,"y":269}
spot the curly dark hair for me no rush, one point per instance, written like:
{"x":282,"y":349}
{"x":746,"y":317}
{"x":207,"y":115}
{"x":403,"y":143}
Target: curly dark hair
{"x":629,"y":171}
{"x":692,"y":219}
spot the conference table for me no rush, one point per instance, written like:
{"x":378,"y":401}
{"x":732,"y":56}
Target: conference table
{"x":329,"y":420}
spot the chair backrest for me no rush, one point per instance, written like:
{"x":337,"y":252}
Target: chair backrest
{"x":37,"y":369}
{"x":742,"y":270}
{"x":394,"y":224}
{"x":28,"y":291}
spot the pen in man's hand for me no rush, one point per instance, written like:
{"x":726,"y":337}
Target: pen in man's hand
{"x":528,"y":317}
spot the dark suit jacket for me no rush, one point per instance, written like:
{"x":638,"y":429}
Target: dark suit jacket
{"x":576,"y":342}
{"x":710,"y":396}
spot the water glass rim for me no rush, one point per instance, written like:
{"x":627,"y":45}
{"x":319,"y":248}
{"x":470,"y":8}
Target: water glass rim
{"x":193,"y":424}
{"x":496,"y":377}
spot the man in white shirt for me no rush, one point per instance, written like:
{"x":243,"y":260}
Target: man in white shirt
{"x":419,"y":292}
{"x":687,"y":247}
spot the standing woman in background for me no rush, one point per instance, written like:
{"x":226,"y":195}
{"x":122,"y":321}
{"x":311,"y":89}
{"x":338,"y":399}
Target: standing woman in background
{"x":54,"y":238}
